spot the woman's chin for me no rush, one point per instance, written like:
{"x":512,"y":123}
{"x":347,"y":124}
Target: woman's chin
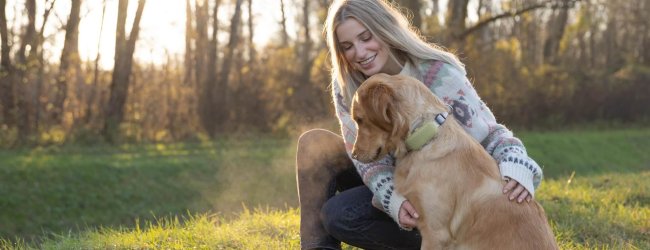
{"x":370,"y":71}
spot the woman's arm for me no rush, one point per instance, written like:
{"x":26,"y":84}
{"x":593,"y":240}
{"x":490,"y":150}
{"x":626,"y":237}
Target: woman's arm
{"x":454,"y":88}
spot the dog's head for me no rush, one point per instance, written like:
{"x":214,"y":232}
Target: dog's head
{"x":384,"y":108}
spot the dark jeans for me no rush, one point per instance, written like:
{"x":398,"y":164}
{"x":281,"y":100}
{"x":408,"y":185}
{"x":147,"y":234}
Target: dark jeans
{"x":350,"y":217}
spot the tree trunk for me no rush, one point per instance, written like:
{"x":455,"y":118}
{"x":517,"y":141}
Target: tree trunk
{"x":189,"y":35}
{"x":303,"y":86}
{"x":251,"y":45}
{"x":95,"y":85}
{"x":124,"y":49}
{"x":414,"y":6}
{"x":556,"y":29}
{"x":22,"y":109}
{"x":455,"y":21}
{"x":36,"y":98}
{"x":221,"y":90}
{"x":207,"y":94}
{"x":285,"y":34}
{"x":70,"y":66}
{"x":6,"y":71}
{"x":202,"y":44}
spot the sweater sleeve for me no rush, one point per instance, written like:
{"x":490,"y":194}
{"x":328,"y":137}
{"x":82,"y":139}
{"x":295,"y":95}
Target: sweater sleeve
{"x":378,"y":176}
{"x":455,"y":89}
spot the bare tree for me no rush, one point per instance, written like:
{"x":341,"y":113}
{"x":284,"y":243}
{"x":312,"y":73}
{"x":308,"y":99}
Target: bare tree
{"x":303,"y":85}
{"x":458,"y":13}
{"x":202,"y":43}
{"x":555,"y":31}
{"x":189,"y":36}
{"x":455,"y":20}
{"x":36,"y":98}
{"x":95,"y":84}
{"x":222,"y":82}
{"x":6,"y":70}
{"x":124,"y":48}
{"x":283,"y":22}
{"x":414,"y":7}
{"x":22,"y":109}
{"x":207,"y":87}
{"x":70,"y":67}
{"x":251,"y":45}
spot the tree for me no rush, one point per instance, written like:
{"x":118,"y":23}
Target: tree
{"x":555,"y":31}
{"x":95,"y":83}
{"x":26,"y":51}
{"x":70,"y":67}
{"x":283,"y":22}
{"x":224,"y":73}
{"x":414,"y":7}
{"x":189,"y":35}
{"x":6,"y":70}
{"x":124,"y":48}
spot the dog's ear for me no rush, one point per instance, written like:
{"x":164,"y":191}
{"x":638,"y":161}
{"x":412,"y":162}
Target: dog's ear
{"x":381,"y":106}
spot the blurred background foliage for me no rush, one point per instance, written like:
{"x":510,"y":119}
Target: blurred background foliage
{"x":539,"y":64}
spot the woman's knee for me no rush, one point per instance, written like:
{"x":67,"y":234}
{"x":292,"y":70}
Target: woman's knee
{"x":308,"y":142}
{"x":319,"y":146}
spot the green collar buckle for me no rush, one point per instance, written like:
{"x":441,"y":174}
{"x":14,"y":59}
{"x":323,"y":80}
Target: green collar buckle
{"x":424,"y":131}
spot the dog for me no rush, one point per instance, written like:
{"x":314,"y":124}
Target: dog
{"x":451,"y":180}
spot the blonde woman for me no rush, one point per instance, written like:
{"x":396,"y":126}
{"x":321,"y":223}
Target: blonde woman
{"x":366,"y":37}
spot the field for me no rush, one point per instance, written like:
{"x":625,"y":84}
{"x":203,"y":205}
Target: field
{"x":239,"y":193}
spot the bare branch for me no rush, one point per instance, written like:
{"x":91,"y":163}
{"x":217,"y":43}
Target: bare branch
{"x":485,"y":22}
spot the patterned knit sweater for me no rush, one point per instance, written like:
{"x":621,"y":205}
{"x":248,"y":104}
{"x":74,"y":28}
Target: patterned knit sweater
{"x":453,"y":87}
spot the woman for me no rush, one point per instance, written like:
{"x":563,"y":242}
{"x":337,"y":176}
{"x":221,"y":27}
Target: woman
{"x":367,"y":37}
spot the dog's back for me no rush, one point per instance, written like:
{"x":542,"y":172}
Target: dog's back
{"x":496,"y":223}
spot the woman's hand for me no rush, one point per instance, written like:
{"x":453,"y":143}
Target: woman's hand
{"x":516,"y":191}
{"x":407,"y":215}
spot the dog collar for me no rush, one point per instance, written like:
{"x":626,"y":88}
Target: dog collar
{"x":423,"y":131}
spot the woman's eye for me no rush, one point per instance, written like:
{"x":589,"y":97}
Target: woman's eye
{"x":366,"y":36}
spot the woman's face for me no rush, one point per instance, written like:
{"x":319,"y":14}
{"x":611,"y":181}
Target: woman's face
{"x":364,"y":52}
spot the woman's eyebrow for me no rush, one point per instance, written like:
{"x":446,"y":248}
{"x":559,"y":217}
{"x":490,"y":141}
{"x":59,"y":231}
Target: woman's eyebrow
{"x":363,"y":33}
{"x":358,"y":35}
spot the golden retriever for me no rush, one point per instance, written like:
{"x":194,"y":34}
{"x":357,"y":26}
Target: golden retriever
{"x":452,"y":181}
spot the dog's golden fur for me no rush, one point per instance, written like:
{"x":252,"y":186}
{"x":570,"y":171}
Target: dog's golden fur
{"x":452,"y":181}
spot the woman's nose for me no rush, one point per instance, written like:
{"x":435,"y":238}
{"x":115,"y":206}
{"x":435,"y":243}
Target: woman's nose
{"x":360,"y":52}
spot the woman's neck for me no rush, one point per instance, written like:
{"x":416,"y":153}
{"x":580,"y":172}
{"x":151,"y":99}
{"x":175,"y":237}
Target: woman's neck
{"x":394,"y":64}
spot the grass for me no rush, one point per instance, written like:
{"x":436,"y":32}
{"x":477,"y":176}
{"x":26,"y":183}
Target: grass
{"x":72,"y":189}
{"x":180,"y":196}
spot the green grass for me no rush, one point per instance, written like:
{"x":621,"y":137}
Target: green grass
{"x":72,"y":189}
{"x":596,"y":193}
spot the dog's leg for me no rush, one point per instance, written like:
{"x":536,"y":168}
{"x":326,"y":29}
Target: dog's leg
{"x":435,"y":236}
{"x":321,"y":156}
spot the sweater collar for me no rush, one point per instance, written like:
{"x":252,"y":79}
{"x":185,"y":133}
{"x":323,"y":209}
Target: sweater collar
{"x":424,"y":129}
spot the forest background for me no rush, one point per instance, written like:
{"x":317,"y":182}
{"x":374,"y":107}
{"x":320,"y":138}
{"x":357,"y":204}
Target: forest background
{"x":536,"y":63}
{"x":148,"y":124}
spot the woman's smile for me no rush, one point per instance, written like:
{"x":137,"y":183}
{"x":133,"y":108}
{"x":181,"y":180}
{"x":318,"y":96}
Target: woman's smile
{"x":368,"y":60}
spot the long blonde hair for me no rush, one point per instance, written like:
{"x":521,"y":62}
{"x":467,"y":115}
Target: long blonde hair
{"x":387,"y":25}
